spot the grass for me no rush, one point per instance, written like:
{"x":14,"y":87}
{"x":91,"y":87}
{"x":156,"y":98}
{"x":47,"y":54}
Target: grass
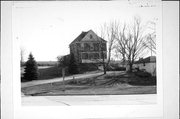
{"x":141,"y":78}
{"x":109,"y":84}
{"x":49,"y":73}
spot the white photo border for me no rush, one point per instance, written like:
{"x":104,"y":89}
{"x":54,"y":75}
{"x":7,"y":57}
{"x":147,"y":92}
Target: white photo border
{"x":11,"y":93}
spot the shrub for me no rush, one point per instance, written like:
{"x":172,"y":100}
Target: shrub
{"x":85,"y":67}
{"x":142,"y":81}
{"x":115,"y":67}
{"x":142,"y":74}
{"x":73,"y":66}
{"x":141,"y":78}
{"x":120,"y":69}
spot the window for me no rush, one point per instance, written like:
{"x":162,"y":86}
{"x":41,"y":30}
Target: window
{"x":91,"y":56}
{"x":86,"y":47}
{"x":90,"y":36}
{"x":82,"y":46}
{"x":104,"y":46}
{"x":144,"y":64}
{"x":92,"y":48}
{"x":84,"y":55}
{"x":96,"y":46}
{"x":96,"y":55}
{"x":104,"y":55}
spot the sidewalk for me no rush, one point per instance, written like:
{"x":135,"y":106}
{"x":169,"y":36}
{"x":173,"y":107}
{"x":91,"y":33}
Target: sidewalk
{"x":144,"y":99}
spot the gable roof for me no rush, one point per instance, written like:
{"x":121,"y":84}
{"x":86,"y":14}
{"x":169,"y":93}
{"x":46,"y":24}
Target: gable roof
{"x":79,"y":38}
{"x":149,"y":59}
{"x":82,"y":35}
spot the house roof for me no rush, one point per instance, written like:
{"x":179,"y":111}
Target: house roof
{"x":79,"y":38}
{"x":82,"y":35}
{"x":149,"y":59}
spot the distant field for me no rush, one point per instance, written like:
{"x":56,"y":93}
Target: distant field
{"x":47,"y":63}
{"x":44,"y":67}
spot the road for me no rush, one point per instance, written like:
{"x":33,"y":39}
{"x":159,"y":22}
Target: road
{"x":32,"y":83}
{"x":144,"y":99}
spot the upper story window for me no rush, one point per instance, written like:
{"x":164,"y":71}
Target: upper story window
{"x":96,"y":46}
{"x":103,"y":55}
{"x":84,"y":55}
{"x":96,"y":55}
{"x":144,"y":64}
{"x":87,"y":46}
{"x":91,"y":56}
{"x":90,"y":36}
{"x":104,"y":47}
{"x":82,"y":46}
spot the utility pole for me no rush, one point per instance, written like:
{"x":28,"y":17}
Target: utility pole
{"x":63,"y":65}
{"x":63,"y":74}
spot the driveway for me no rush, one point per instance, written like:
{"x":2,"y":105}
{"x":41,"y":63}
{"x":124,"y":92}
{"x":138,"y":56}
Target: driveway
{"x":32,"y":83}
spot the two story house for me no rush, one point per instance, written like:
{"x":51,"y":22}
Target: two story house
{"x":88,"y":47}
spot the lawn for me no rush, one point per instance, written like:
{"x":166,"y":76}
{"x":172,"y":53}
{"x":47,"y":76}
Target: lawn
{"x":109,"y":84}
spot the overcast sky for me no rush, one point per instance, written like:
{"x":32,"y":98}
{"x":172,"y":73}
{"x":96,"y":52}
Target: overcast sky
{"x":47,"y":28}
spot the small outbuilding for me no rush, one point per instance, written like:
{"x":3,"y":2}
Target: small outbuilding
{"x":147,"y":64}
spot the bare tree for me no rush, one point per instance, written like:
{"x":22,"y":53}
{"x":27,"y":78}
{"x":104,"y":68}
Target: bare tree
{"x":135,"y":42}
{"x":110,"y":31}
{"x":150,"y":41}
{"x":130,"y":41}
{"x":62,"y":61}
{"x":102,"y":49}
{"x":107,"y":32}
{"x":121,"y":42}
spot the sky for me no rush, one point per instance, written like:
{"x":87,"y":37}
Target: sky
{"x":47,"y":28}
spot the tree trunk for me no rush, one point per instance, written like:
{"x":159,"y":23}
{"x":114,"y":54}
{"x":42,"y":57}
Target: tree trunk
{"x":104,"y":70}
{"x":123,"y":60}
{"x":104,"y":67}
{"x":109,"y":57}
{"x":130,"y":67}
